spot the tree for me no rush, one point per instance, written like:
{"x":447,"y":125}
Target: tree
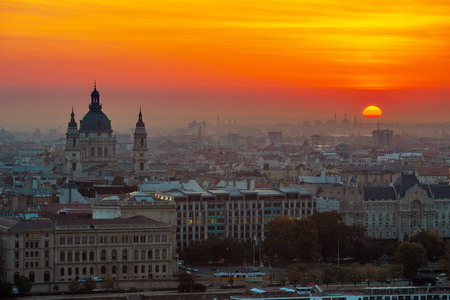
{"x":294,"y":275}
{"x":412,"y":256}
{"x":342,"y":275}
{"x":55,"y":287}
{"x":73,"y":286}
{"x":6,"y":289}
{"x":185,"y":283}
{"x":328,"y":276}
{"x":432,"y":242}
{"x":305,"y":240}
{"x":90,"y":284}
{"x":279,"y":237}
{"x":23,"y":285}
{"x":382,"y":275}
{"x":370,"y":273}
{"x":108,"y":283}
{"x":355,"y":273}
{"x":329,"y":225}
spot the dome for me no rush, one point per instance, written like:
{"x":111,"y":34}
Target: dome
{"x":95,"y":121}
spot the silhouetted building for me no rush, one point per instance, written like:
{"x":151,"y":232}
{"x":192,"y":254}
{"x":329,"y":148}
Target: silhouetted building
{"x":383,"y":138}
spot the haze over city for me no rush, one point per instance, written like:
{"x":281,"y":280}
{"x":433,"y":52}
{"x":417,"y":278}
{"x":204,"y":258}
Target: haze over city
{"x":250,"y":61}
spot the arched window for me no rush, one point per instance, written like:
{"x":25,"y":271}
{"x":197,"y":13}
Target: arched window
{"x":16,"y":276}
{"x":142,"y":269}
{"x":84,"y":271}
{"x":103,"y":270}
{"x":125,"y":254}
{"x":77,"y":271}
{"x":74,"y":142}
{"x":149,"y":268}
{"x":92,"y":151}
{"x":106,"y":151}
{"x":26,"y":254}
{"x":99,"y":151}
{"x":61,"y":272}
{"x":142,"y":142}
{"x":69,"y":271}
{"x":157,"y":269}
{"x":164,"y":268}
{"x":103,"y":255}
{"x":77,"y":256}
{"x":136,"y":269}
{"x":84,"y":256}
{"x":26,"y":265}
{"x":157,"y":254}
{"x":91,"y":270}
{"x":124,"y":269}
{"x":149,"y":254}
{"x":164,"y":254}
{"x":74,"y":166}
{"x":31,"y":276}
{"x":83,"y":151}
{"x":31,"y":264}
{"x":114,"y":270}
{"x":142,"y":254}
{"x":91,"y":255}
{"x":114,"y":254}
{"x":136,"y":254}
{"x":141,"y":166}
{"x":69,"y":256}
{"x":46,"y":276}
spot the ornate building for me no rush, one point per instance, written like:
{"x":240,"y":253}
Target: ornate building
{"x":92,"y":147}
{"x":140,"y":163}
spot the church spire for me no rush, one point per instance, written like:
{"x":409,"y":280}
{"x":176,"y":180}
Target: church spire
{"x":140,"y":123}
{"x":72,"y":123}
{"x":95,"y":97}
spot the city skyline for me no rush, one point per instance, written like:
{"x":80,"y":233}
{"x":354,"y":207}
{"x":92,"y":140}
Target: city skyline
{"x":192,"y":60}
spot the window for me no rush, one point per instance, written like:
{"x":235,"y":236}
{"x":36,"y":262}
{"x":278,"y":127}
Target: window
{"x":103,"y":255}
{"x":124,"y":269}
{"x":103,"y":270}
{"x":62,"y":256}
{"x":46,"y":244}
{"x":114,"y":254}
{"x":114,"y":270}
{"x":16,"y":254}
{"x":61,"y":272}
{"x":16,"y":245}
{"x":125,"y":254}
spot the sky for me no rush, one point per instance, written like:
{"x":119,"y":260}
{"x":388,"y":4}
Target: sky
{"x":183,"y":60}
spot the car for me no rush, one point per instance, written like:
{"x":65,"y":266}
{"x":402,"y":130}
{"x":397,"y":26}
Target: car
{"x":81,"y":280}
{"x":195,"y":269}
{"x":189,"y":268}
{"x":96,"y":278}
{"x":15,"y":291}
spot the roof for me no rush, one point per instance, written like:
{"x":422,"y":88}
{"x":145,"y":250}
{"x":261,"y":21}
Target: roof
{"x":379,"y":193}
{"x":138,"y":220}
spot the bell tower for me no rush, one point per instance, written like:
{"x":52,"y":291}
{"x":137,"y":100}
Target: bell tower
{"x":140,"y":162}
{"x":72,"y":150}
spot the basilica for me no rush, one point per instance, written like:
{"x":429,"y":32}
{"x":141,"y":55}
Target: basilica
{"x":91,"y":149}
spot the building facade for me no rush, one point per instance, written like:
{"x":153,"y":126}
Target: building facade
{"x":93,"y":144}
{"x":242,"y":214}
{"x":140,"y":161}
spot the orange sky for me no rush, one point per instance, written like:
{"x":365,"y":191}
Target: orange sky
{"x":293,"y":58}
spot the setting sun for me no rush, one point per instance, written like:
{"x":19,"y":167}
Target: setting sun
{"x":372,"y":112}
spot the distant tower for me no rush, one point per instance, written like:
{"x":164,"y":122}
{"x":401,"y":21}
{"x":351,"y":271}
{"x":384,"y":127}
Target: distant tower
{"x":140,"y":162}
{"x":72,"y":151}
{"x":218,"y":123}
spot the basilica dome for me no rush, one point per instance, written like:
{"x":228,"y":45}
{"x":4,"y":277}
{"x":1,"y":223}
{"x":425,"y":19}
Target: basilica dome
{"x":95,"y":120}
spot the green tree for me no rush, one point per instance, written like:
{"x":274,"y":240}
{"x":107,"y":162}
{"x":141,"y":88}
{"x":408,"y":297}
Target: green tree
{"x":353,"y":239}
{"x":328,"y":276}
{"x":279,"y":237}
{"x":411,"y":256}
{"x":382,"y":275}
{"x":370,"y":273}
{"x":23,"y":285}
{"x":432,"y":242}
{"x":108,"y":283}
{"x":305,"y":240}
{"x":90,"y":284}
{"x":73,"y":286}
{"x":342,"y":275}
{"x":294,"y":275}
{"x":329,"y":225}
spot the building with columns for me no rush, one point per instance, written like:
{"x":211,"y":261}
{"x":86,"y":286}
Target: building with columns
{"x":91,"y":148}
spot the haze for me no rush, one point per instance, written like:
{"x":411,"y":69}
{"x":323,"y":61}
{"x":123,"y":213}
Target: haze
{"x":255,"y":61}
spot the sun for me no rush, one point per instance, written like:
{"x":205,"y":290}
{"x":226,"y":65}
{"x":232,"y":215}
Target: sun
{"x":372,"y":112}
